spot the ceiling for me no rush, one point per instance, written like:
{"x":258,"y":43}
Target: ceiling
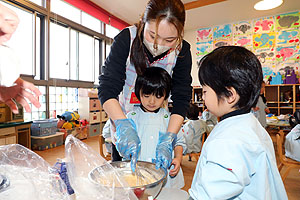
{"x":206,"y":16}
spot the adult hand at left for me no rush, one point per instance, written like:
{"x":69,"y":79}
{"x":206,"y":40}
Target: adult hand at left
{"x":21,"y":91}
{"x":164,"y":150}
{"x":8,"y":23}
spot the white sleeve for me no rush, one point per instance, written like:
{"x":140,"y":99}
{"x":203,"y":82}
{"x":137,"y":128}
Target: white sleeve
{"x":9,"y":66}
{"x":106,"y":129}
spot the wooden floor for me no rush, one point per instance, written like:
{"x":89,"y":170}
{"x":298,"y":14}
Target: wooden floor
{"x":292,"y":182}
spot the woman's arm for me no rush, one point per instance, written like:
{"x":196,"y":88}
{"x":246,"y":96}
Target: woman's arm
{"x":181,"y":88}
{"x":175,"y":123}
{"x":113,"y":109}
{"x":113,"y":76}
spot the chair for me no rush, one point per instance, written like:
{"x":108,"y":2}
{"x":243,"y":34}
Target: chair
{"x":197,"y":155}
{"x":104,"y":154}
{"x":284,"y":161}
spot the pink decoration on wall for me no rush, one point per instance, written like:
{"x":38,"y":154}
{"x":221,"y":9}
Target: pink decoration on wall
{"x":203,"y":33}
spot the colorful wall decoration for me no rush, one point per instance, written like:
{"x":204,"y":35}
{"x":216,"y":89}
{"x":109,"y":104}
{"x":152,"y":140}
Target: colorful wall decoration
{"x":275,"y":40}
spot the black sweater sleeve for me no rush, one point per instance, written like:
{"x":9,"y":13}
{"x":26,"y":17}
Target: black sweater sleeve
{"x":181,"y":81}
{"x":113,"y":75}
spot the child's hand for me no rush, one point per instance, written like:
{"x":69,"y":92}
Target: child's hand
{"x":255,"y":109}
{"x":176,"y":163}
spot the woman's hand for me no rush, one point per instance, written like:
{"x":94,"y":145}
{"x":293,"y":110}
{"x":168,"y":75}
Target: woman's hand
{"x":8,"y":23}
{"x":19,"y":93}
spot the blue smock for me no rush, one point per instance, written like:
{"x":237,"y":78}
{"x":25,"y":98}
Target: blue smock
{"x":148,"y":126}
{"x":238,"y":162}
{"x":292,"y":143}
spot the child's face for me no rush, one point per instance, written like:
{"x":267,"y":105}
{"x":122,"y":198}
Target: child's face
{"x":150,"y":102}
{"x":218,"y":108}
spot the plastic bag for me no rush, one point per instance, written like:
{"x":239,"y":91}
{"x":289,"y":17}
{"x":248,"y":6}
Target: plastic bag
{"x":29,"y":176}
{"x":80,"y":161}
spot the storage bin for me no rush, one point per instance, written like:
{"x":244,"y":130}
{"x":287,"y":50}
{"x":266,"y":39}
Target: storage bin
{"x":94,"y":130}
{"x":47,"y":142}
{"x":94,"y":117}
{"x":43,"y":127}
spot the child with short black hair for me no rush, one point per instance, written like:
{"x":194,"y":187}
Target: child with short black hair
{"x":238,"y":159}
{"x":193,"y":130}
{"x":261,"y":108}
{"x":152,"y":88}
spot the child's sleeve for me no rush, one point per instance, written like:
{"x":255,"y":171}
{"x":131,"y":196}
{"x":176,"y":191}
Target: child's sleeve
{"x":225,"y":173}
{"x":106,"y":129}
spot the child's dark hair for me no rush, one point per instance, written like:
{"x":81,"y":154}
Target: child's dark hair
{"x":154,"y":80}
{"x":193,"y":112}
{"x":236,"y":67}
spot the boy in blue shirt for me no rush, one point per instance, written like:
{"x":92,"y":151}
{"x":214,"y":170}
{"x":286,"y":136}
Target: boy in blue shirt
{"x":238,"y":159}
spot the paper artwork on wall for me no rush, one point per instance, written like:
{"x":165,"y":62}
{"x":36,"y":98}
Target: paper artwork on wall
{"x":268,"y":69}
{"x":222,"y":32}
{"x":244,"y":41}
{"x":265,"y":56}
{"x":242,"y":28}
{"x":288,"y":37}
{"x":287,"y":21}
{"x":222,"y":42}
{"x":203,"y":48}
{"x":264,"y":25}
{"x":289,"y":54}
{"x":284,"y":67}
{"x":204,"y":34}
{"x":264,"y":40}
{"x":275,"y":40}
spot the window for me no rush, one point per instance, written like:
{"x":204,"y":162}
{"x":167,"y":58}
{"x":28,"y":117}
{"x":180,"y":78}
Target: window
{"x":91,"y":22}
{"x":62,"y":99}
{"x":37,"y":113}
{"x":59,"y":51}
{"x":22,"y":40}
{"x":111,"y":31}
{"x":97,"y":60}
{"x":86,"y":57}
{"x":66,"y":10}
{"x":38,"y":2}
{"x":74,"y":55}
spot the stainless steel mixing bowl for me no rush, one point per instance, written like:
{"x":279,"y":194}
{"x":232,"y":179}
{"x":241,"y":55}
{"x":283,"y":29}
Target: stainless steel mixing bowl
{"x":123,"y":167}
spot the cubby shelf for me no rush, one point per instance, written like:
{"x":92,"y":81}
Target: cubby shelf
{"x":283,"y":99}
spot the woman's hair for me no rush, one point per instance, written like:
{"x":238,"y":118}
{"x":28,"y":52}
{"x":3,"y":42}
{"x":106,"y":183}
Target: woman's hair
{"x":232,"y":66}
{"x":157,"y":10}
{"x":193,"y":112}
{"x":154,"y":80}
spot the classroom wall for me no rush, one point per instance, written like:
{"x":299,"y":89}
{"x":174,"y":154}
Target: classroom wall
{"x":273,"y":39}
{"x":190,"y":37}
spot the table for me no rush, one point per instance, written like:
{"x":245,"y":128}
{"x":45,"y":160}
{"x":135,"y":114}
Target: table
{"x":172,"y":194}
{"x":15,"y":133}
{"x":275,"y":126}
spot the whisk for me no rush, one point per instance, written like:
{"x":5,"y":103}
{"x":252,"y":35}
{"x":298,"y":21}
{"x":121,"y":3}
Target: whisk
{"x":140,"y":178}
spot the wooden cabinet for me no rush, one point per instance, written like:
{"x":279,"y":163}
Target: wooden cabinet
{"x":197,"y":97}
{"x":7,"y":116}
{"x":90,"y":109}
{"x":15,"y":133}
{"x":283,"y":99}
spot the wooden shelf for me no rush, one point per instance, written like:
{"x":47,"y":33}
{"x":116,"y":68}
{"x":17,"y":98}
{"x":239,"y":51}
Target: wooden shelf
{"x":197,"y":97}
{"x":280,"y":96}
